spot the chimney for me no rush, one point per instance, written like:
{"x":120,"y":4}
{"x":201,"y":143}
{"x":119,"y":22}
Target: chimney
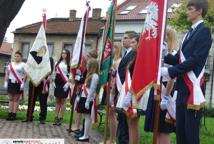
{"x":96,"y":13}
{"x":72,"y":15}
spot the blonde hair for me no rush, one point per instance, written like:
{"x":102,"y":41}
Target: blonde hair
{"x":117,"y":54}
{"x":171,"y":39}
{"x":92,"y":68}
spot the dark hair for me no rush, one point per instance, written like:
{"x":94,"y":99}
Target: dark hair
{"x":136,"y":37}
{"x":130,"y":34}
{"x":199,"y":4}
{"x":67,"y":59}
{"x":19,"y":53}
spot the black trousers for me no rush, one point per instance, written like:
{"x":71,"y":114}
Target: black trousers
{"x":187,"y":124}
{"x":123,"y":131}
{"x":42,"y":100}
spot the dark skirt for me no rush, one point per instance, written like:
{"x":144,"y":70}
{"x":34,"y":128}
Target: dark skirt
{"x":164,"y":127}
{"x":81,"y":106}
{"x":59,"y":91}
{"x":13,"y":88}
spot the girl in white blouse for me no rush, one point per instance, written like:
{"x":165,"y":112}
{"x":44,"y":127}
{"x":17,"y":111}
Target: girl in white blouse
{"x":14,"y":83}
{"x":87,"y":100}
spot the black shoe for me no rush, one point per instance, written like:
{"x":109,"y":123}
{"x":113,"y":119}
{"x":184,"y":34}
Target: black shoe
{"x":9,"y":117}
{"x":13,"y":116}
{"x":56,"y":120}
{"x":83,"y":140}
{"x":42,"y":121}
{"x":78,"y":135}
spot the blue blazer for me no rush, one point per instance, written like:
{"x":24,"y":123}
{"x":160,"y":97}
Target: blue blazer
{"x":123,"y":64}
{"x":195,"y":50}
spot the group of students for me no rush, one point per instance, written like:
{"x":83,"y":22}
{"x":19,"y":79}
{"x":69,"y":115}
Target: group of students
{"x":183,"y":119}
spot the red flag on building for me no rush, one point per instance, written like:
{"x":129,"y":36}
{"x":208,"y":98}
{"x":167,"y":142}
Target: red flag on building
{"x":147,"y":67}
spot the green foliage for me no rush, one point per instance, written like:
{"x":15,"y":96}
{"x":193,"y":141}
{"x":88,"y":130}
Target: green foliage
{"x":179,"y":20}
{"x":209,"y":112}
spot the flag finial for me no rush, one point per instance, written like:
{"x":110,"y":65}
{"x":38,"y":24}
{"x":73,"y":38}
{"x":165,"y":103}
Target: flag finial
{"x":87,"y":3}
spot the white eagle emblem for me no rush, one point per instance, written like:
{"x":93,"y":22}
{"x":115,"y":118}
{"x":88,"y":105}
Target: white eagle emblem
{"x":151,"y":21}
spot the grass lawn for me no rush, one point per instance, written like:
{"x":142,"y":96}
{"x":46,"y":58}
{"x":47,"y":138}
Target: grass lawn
{"x":206,"y":135}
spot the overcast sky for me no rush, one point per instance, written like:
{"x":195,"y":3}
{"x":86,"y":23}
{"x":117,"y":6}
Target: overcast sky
{"x":31,"y":11}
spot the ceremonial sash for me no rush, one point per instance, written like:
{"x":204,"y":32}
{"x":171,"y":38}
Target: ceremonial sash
{"x":19,"y":80}
{"x":196,"y":98}
{"x":64,"y":78}
{"x":118,"y":82}
{"x":124,"y":90}
{"x":94,"y":106}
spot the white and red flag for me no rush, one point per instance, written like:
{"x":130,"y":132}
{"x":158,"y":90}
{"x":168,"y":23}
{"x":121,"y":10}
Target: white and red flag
{"x":78,"y":52}
{"x":38,"y":62}
{"x":148,"y":62}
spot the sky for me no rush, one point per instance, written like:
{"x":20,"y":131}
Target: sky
{"x":31,"y":11}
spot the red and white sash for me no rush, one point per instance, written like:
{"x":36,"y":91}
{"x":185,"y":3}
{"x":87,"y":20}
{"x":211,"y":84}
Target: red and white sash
{"x":196,"y":98}
{"x":18,"y":79}
{"x":124,"y":90}
{"x":94,"y":106}
{"x":64,"y":78}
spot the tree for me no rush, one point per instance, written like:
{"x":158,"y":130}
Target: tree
{"x":179,"y":20}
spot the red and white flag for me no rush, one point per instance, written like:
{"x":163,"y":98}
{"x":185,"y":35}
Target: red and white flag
{"x":148,"y":62}
{"x":78,"y":52}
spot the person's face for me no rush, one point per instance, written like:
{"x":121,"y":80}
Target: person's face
{"x":193,"y":14}
{"x":18,"y":58}
{"x":64,"y":54}
{"x":126,"y":41}
{"x":134,"y":45}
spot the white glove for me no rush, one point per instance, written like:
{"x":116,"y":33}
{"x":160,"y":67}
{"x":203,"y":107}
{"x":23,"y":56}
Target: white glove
{"x":78,"y":98}
{"x":164,"y":102}
{"x":78,"y":75}
{"x":87,"y":105}
{"x":66,"y":86}
{"x":22,"y":86}
{"x":127,"y":100}
{"x":165,"y":73}
{"x":5,"y":84}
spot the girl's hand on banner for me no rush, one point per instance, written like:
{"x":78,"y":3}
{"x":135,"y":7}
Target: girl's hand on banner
{"x":87,"y":105}
{"x":22,"y":86}
{"x":66,"y":86}
{"x":164,"y":102}
{"x":127,"y":100}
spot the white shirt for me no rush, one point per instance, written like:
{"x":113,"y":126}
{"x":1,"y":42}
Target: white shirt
{"x":19,"y":70}
{"x":196,"y":24}
{"x":63,"y":66}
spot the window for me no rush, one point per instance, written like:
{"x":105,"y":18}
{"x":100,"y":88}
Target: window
{"x":25,"y":47}
{"x":50,"y":49}
{"x":87,"y":48}
{"x":128,"y":9}
{"x":68,"y":47}
{"x":144,"y":11}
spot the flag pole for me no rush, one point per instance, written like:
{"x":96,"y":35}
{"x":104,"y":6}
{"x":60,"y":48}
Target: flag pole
{"x":29,"y":116}
{"x":72,"y":101}
{"x":109,"y":80}
{"x":158,"y":88}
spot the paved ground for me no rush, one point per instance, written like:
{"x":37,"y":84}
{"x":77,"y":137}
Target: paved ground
{"x":17,"y":129}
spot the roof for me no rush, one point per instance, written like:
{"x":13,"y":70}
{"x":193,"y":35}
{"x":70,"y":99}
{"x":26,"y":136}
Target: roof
{"x":62,"y":26}
{"x":131,"y":10}
{"x":6,"y":48}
